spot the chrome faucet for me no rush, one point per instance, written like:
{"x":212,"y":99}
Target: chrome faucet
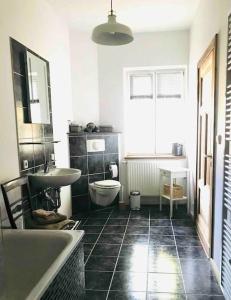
{"x":46,"y":167}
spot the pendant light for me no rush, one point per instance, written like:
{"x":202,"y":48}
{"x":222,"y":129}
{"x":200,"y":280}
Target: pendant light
{"x":112,"y":33}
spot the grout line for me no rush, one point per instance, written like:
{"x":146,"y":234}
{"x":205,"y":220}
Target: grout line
{"x":179,"y":260}
{"x":118,"y":256}
{"x":98,"y":236}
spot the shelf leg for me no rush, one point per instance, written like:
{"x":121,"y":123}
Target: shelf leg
{"x":171,"y":208}
{"x":171,"y":196}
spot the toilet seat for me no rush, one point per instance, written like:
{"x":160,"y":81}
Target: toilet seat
{"x":107,"y":184}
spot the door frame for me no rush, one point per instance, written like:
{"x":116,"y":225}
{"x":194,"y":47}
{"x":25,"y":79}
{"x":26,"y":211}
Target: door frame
{"x":211,"y":47}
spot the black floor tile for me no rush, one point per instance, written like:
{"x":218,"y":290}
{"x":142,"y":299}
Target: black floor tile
{"x":148,"y":256}
{"x":167,"y":240}
{"x":183,"y":222}
{"x":91,"y":229}
{"x":117,"y":221}
{"x":157,"y":214}
{"x":139,"y":215}
{"x":187,"y":240}
{"x":162,"y":230}
{"x":100,"y":263}
{"x":164,"y":265}
{"x":132,"y":264}
{"x":184,"y":230}
{"x":165,"y":283}
{"x":111,"y":239}
{"x":95,"y":295}
{"x":97,"y":280}
{"x":160,"y":222}
{"x":164,"y":296}
{"x":204,"y":297}
{"x":129,"y":281}
{"x":106,"y":250}
{"x":134,"y":250}
{"x":115,"y":295}
{"x":99,"y":215}
{"x":95,"y":222}
{"x":191,"y":252}
{"x":90,"y":238}
{"x":120,"y":215}
{"x":87,"y":248}
{"x":196,"y":266}
{"x":114,"y":229}
{"x":163,"y":251}
{"x":137,"y":230}
{"x":200,"y":284}
{"x":135,"y":239}
{"x":138,"y":222}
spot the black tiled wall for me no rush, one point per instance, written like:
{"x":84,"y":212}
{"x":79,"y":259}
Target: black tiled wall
{"x":34,"y":140}
{"x":94,"y":165}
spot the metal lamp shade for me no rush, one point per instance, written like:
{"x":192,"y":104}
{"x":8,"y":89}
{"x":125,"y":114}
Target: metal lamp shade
{"x":112,"y":33}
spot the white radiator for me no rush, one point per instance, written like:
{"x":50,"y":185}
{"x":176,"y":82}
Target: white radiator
{"x":143,"y":175}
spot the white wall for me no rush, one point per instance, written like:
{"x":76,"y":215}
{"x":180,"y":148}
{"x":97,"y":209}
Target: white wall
{"x":211,"y":18}
{"x":84,"y":77}
{"x":34,"y":24}
{"x":148,"y":49}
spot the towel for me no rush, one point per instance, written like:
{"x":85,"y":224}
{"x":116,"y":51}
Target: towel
{"x":44,"y":217}
{"x":41,"y":213}
{"x":57,"y":226}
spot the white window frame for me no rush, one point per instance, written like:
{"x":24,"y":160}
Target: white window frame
{"x":127,"y":72}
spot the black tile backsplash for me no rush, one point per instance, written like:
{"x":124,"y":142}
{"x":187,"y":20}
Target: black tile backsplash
{"x":18,"y":57}
{"x":94,"y":165}
{"x":95,"y":177}
{"x":80,"y":187}
{"x":28,"y":133}
{"x":80,"y":203}
{"x":111,"y":144}
{"x":20,"y":94}
{"x":79,"y":162}
{"x":78,"y":146}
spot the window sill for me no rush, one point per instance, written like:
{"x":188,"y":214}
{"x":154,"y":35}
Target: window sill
{"x":160,"y":156}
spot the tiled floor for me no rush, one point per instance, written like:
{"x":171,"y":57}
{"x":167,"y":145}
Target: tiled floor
{"x":145,"y":255}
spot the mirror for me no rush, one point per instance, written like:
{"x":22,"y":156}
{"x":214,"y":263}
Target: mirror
{"x":38,"y":89}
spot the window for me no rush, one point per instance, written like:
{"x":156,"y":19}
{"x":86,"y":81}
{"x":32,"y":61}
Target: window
{"x":155,"y":111}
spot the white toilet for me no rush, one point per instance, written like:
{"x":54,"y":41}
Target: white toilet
{"x":104,"y":192}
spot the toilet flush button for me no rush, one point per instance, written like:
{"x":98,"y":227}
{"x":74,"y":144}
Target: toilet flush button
{"x":95,"y":145}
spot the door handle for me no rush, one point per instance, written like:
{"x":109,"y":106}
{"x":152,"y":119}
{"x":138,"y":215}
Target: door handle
{"x":208,"y":156}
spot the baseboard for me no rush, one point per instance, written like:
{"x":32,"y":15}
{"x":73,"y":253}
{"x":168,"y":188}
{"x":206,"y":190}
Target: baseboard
{"x":215,"y":270}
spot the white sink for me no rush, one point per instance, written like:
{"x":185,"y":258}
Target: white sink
{"x":56,"y":177}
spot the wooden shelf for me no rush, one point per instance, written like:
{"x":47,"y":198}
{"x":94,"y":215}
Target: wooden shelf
{"x":177,"y":199}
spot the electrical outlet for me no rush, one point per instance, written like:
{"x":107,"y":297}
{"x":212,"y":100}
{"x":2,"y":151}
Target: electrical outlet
{"x":25,"y":164}
{"x":52,"y":156}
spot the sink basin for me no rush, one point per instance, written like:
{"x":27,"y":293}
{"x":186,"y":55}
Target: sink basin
{"x":56,"y":177}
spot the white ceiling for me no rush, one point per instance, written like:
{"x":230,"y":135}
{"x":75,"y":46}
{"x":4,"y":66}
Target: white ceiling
{"x":140,"y":15}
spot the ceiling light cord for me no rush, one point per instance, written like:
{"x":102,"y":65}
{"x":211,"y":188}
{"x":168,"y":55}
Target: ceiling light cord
{"x":111,"y":11}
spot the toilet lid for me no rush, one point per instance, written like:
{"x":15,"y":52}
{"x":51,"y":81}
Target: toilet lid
{"x":107,"y":183}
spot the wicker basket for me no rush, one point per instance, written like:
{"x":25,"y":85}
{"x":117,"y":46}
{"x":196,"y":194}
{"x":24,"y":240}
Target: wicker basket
{"x":178,"y":191}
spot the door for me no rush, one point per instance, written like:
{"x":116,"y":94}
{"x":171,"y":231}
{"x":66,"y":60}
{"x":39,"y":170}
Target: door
{"x":205,"y":145}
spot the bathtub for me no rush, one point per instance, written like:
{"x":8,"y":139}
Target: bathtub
{"x":32,"y":259}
